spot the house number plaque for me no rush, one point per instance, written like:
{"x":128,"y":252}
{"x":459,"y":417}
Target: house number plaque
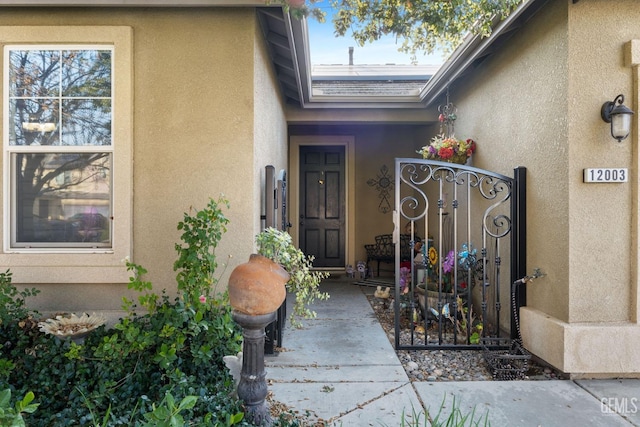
{"x":606,"y":175}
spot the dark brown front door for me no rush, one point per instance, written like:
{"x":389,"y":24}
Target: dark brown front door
{"x":322,"y":204}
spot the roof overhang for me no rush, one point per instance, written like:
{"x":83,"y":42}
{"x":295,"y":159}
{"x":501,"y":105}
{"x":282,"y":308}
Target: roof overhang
{"x":288,"y":41}
{"x":467,"y":57}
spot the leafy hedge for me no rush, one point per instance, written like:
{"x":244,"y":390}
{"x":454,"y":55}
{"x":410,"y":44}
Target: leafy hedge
{"x":126,"y":370}
{"x":135,"y":373}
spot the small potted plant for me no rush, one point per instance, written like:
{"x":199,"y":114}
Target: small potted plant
{"x":304,"y":282}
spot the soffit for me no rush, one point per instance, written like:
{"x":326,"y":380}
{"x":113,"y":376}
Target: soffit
{"x":278,"y":34}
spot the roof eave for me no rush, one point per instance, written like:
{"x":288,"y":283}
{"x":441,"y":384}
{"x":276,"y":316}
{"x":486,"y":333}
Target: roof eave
{"x":367,"y":102}
{"x":300,"y":50}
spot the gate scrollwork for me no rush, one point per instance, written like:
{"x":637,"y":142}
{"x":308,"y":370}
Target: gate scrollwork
{"x":449,"y":206}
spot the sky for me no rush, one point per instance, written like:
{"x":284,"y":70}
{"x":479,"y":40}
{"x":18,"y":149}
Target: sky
{"x":326,"y":48}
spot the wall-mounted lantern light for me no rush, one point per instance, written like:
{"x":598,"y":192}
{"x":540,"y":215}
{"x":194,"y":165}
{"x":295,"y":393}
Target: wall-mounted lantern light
{"x":619,"y":116}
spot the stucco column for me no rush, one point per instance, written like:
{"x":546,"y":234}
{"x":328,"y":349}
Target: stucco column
{"x":632,"y":59}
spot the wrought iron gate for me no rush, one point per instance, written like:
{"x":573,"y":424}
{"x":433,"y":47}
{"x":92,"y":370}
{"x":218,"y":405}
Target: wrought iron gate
{"x":466,"y":230}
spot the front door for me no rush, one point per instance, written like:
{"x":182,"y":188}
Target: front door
{"x":322,"y":204}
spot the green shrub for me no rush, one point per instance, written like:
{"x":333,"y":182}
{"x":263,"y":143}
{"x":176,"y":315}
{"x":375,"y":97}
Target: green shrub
{"x":11,"y":415}
{"x":133,"y":374}
{"x":12,"y":301}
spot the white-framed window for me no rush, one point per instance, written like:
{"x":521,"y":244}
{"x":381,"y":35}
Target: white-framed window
{"x":58,"y":145}
{"x":79,"y":126}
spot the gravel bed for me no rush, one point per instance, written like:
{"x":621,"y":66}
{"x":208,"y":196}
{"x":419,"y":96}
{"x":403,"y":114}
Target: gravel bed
{"x":446,"y":365}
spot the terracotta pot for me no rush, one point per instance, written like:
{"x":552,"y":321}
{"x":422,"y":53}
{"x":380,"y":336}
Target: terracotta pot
{"x":257,"y":287}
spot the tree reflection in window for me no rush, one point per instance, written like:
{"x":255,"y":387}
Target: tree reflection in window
{"x":60,"y":98}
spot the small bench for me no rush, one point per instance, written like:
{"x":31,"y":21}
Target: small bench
{"x":383,"y":250}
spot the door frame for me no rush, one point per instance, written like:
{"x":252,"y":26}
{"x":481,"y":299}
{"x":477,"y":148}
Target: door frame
{"x":348,"y":142}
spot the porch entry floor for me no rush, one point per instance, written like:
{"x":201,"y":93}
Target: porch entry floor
{"x":342,"y":368}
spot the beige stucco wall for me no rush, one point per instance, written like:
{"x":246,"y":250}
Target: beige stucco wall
{"x":194,"y":122}
{"x":377,"y":147}
{"x":516,"y":111}
{"x":41,"y":266}
{"x":200,"y":76}
{"x":270,"y":125}
{"x":536,"y":103}
{"x":207,"y":119}
{"x":600,"y":214}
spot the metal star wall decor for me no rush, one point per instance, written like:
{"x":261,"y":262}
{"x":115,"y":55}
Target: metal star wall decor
{"x":383,"y":182}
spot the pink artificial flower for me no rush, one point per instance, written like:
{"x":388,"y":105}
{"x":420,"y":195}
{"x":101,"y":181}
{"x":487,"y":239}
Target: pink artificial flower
{"x":449,"y":262}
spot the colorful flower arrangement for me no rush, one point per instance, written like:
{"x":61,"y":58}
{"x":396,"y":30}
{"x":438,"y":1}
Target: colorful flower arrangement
{"x":466,"y":322}
{"x":448,"y":265}
{"x":465,"y":260}
{"x":448,"y":149}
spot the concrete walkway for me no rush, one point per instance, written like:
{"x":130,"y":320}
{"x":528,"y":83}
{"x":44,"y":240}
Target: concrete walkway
{"x":341,"y":368}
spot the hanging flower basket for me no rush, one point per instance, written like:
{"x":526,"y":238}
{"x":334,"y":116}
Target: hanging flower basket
{"x":449,"y":149}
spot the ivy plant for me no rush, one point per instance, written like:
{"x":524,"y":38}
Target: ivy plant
{"x":304,"y":281}
{"x":160,"y":365}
